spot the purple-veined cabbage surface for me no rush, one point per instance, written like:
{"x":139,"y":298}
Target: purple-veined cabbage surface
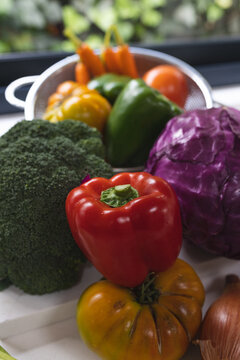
{"x":198,"y":153}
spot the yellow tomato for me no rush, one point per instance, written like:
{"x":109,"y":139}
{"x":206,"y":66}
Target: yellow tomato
{"x":155,"y":321}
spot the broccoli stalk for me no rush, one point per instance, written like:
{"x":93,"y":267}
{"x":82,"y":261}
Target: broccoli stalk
{"x":40,"y":163}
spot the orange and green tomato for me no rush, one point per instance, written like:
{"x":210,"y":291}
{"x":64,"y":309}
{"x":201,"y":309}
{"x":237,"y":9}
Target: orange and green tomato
{"x":157,"y":323}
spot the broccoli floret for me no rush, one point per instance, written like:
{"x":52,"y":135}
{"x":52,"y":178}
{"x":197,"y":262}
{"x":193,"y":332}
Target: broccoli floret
{"x":40,"y":163}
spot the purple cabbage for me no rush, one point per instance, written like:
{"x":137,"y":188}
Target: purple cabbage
{"x":198,"y":153}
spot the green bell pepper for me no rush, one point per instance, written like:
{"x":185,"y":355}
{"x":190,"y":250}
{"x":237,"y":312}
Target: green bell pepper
{"x":109,"y":85}
{"x":138,"y":116}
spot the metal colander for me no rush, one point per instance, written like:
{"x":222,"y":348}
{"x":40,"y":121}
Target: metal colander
{"x":200,"y":93}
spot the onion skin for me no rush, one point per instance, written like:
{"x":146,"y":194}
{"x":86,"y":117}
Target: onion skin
{"x":221,"y":325}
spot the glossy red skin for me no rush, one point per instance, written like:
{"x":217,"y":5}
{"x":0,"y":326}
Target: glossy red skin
{"x":127,"y":242}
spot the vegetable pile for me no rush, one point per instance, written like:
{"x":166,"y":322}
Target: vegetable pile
{"x":198,"y":154}
{"x":40,"y":163}
{"x":59,"y":206}
{"x":149,"y":304}
{"x":109,"y":94}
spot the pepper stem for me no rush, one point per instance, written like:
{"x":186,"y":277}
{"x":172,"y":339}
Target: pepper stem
{"x":112,"y":30}
{"x":119,"y":195}
{"x":72,"y":37}
{"x":117,"y":35}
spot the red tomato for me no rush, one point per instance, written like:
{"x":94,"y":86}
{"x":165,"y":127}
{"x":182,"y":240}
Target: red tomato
{"x":169,"y":81}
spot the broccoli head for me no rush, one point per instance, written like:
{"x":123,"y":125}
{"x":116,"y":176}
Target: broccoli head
{"x":40,"y":163}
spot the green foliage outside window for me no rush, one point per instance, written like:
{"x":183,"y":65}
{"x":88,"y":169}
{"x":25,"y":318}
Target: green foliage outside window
{"x":30,"y":25}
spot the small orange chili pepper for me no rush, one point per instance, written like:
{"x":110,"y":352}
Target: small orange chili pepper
{"x":122,"y":60}
{"x":111,"y":61}
{"x":81,"y":74}
{"x":127,"y":61}
{"x":91,"y":60}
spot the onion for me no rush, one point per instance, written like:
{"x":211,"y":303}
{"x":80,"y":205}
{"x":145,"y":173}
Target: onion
{"x":220,"y":332}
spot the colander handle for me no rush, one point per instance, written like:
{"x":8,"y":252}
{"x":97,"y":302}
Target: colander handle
{"x":16,"y":84}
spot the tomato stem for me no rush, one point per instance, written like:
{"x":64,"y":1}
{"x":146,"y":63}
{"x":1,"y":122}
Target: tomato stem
{"x":146,"y":293}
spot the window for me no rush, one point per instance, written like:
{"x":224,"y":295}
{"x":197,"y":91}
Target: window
{"x":204,"y":33}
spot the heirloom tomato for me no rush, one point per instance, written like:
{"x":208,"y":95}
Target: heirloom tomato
{"x":154,"y":321}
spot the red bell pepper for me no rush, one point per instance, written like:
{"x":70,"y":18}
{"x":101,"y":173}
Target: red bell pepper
{"x":126,"y":226}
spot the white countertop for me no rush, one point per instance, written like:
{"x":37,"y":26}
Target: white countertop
{"x":60,"y":339}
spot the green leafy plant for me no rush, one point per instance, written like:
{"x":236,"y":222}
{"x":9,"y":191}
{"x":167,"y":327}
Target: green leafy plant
{"x":27,"y":25}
